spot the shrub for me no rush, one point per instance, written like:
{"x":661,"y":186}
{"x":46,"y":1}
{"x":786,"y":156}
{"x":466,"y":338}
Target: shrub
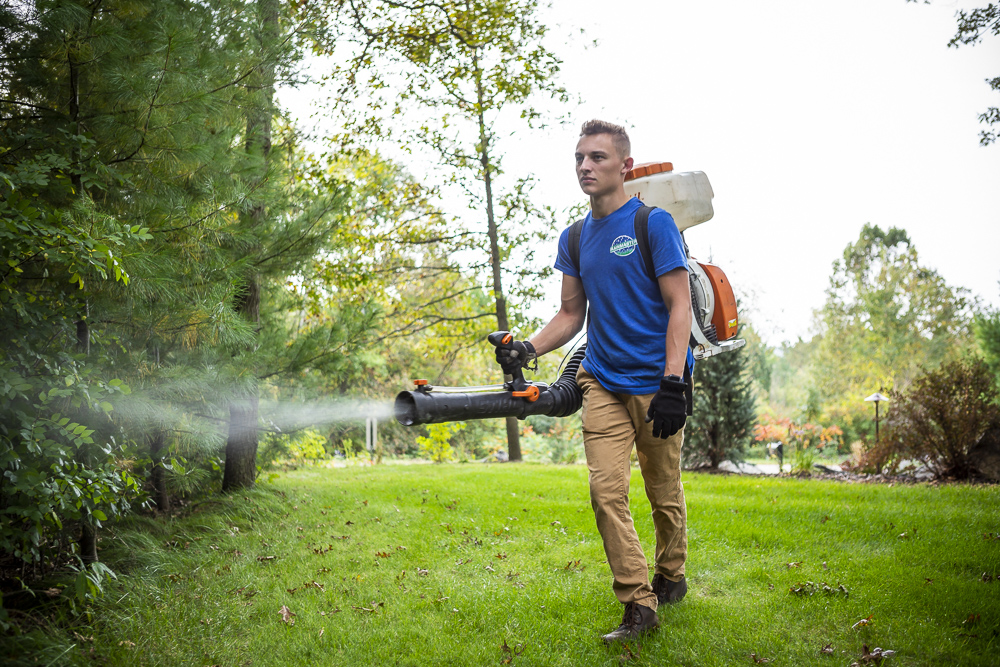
{"x":63,"y":464}
{"x":943,"y":415}
{"x":436,"y":445}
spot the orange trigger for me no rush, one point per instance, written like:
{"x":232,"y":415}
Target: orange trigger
{"x":531,"y":393}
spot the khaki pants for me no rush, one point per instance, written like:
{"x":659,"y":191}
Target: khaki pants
{"x":611,"y":424}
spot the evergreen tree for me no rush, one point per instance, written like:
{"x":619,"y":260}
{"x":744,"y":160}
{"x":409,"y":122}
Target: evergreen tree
{"x":721,"y":427}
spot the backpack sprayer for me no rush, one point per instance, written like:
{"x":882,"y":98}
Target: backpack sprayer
{"x":687,"y":196}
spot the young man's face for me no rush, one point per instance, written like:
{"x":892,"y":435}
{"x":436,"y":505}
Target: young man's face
{"x":599,"y":168}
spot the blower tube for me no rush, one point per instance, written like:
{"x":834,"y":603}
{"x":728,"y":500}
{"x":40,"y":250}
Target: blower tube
{"x":561,"y":399}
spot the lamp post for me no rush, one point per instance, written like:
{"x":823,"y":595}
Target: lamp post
{"x":877,"y":398}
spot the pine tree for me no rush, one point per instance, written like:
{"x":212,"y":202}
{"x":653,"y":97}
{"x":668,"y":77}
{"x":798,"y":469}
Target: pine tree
{"x":724,"y":411}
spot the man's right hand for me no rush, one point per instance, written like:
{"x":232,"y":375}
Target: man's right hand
{"x":518,"y":354}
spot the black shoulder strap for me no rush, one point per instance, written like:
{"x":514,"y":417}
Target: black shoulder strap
{"x":574,"y":253}
{"x":641,"y":225}
{"x":574,"y":243}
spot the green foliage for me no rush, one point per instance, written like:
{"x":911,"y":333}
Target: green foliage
{"x":56,"y":470}
{"x":458,"y":71}
{"x":987,"y":331}
{"x":972,"y":26}
{"x":943,"y":415}
{"x":886,"y":318}
{"x":725,"y":409}
{"x":436,"y":445}
{"x":552,"y":439}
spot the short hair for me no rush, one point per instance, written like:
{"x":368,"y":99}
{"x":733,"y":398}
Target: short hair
{"x":617,"y":132}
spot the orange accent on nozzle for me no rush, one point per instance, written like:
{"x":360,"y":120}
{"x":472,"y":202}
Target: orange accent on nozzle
{"x":648,"y":169}
{"x":420,"y":383}
{"x":507,"y":338}
{"x":531,"y":393}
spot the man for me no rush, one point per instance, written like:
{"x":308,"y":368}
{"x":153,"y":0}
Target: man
{"x":633,"y":391}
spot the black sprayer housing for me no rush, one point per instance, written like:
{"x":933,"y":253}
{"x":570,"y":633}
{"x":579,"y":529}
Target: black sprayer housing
{"x":425,"y":406}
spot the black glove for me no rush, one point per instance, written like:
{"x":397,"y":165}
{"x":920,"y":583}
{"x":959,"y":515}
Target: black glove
{"x":668,"y":409}
{"x":519,"y":354}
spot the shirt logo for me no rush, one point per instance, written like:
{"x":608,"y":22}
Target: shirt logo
{"x":623,"y":246}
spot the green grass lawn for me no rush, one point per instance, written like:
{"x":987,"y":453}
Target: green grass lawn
{"x":478,"y":565}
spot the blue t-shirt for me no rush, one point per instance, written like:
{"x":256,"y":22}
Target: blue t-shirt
{"x":626,"y":341}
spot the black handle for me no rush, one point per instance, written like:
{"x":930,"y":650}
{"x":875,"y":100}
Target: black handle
{"x":504,"y":340}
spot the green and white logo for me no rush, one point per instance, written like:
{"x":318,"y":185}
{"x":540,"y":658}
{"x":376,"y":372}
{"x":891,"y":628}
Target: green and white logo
{"x":623,"y":246}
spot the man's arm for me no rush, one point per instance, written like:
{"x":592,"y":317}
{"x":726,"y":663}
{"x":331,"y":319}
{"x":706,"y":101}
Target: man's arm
{"x":676,"y":292}
{"x":568,"y":321}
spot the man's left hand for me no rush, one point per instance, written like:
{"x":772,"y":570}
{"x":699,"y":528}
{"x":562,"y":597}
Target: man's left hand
{"x":668,"y":409}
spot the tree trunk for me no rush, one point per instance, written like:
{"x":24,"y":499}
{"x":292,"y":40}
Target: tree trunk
{"x":158,"y":475}
{"x":241,"y":448}
{"x":513,"y":427}
{"x":88,"y":543}
{"x":241,"y":445}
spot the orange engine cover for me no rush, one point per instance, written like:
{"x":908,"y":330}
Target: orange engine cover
{"x":724,"y":318}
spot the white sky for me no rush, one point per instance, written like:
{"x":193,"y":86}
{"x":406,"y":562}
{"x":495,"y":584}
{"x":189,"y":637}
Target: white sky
{"x":810,"y":118}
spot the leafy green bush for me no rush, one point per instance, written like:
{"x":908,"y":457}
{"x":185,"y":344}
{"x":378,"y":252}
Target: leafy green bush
{"x":61,"y":459}
{"x":436,"y":445}
{"x":943,"y":415}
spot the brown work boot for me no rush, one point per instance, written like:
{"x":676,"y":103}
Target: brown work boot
{"x":669,"y":592}
{"x":636,"y":620}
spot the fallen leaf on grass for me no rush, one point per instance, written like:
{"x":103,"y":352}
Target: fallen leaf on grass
{"x":490,"y":569}
{"x":759,"y":660}
{"x":972,"y":619}
{"x":875,"y":656}
{"x":422,"y":572}
{"x":824,"y":519}
{"x":827,"y":650}
{"x":629,"y":654}
{"x":987,"y":577}
{"x":501,"y":556}
{"x":928,"y":580}
{"x":264,"y":559}
{"x":321,"y":631}
{"x":794,"y":564}
{"x":127,"y":643}
{"x":810,"y":588}
{"x":287,"y":615}
{"x":863,"y":622}
{"x":510,"y":653}
{"x":382,"y":554}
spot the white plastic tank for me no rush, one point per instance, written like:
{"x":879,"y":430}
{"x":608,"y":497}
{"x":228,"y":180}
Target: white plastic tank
{"x":686,"y":195}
